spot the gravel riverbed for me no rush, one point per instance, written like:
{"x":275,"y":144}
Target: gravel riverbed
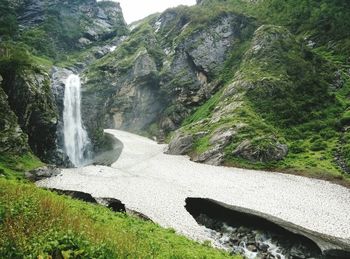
{"x":155,"y":184}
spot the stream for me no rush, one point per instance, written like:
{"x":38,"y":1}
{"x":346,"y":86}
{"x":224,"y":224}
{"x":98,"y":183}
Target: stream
{"x":249,"y":235}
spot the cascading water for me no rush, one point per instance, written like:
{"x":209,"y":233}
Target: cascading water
{"x":76,"y":141}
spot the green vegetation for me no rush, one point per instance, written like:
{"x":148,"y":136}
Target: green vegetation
{"x":15,"y":57}
{"x":8,"y":20}
{"x":35,"y":223}
{"x":13,"y":166}
{"x":288,"y":94}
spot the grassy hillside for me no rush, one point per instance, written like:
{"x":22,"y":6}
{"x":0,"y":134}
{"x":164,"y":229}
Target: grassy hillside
{"x":39,"y":224}
{"x":288,"y":84}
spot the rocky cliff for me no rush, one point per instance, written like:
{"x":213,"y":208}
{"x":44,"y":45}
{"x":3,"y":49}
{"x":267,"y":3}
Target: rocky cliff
{"x":54,"y":28}
{"x":12,"y":138}
{"x":238,"y":83}
{"x":154,"y":80}
{"x":29,"y":96}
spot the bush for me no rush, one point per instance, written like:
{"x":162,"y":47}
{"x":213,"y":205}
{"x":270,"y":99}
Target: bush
{"x":318,"y":145}
{"x":297,"y":147}
{"x":345,"y":120}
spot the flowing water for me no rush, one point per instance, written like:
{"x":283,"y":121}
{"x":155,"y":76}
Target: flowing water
{"x":249,"y":235}
{"x":76,"y":141}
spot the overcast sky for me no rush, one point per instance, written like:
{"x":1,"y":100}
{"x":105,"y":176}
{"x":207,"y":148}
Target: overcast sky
{"x":134,"y":10}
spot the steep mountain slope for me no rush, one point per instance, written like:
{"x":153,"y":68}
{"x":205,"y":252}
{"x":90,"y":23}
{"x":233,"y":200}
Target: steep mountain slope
{"x":167,"y":67}
{"x":269,"y":80}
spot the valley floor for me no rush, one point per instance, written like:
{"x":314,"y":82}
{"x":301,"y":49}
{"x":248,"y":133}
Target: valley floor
{"x":155,"y":184}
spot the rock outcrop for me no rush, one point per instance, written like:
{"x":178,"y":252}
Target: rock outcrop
{"x":237,"y":119}
{"x":12,"y":138}
{"x":180,"y":145}
{"x":30,"y":98}
{"x":261,"y":150}
{"x":42,"y":173}
{"x":70,"y":25}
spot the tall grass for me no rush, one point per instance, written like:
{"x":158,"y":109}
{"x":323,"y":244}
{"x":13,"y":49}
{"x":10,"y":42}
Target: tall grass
{"x":35,"y":223}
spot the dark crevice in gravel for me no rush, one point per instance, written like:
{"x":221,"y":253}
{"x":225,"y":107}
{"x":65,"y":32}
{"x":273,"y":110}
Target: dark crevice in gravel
{"x":250,"y":235}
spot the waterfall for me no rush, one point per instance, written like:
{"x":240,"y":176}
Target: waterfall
{"x":76,"y":141}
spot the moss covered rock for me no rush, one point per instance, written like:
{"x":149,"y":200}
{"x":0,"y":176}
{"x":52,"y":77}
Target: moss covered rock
{"x":30,"y":98}
{"x":12,"y":138}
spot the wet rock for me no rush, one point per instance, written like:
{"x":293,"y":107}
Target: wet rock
{"x":42,"y":173}
{"x":234,"y":240}
{"x":296,"y":253}
{"x":113,"y":204}
{"x":252,"y":248}
{"x":180,"y":145}
{"x":58,"y":81}
{"x":263,"y":247}
{"x":241,"y":238}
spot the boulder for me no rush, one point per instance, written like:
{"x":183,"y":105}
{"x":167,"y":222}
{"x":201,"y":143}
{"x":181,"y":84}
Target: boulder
{"x":42,"y":173}
{"x":214,"y":156}
{"x":261,"y":149}
{"x":180,"y":145}
{"x":222,"y":136}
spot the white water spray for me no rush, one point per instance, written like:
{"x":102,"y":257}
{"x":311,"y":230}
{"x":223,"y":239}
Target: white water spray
{"x":76,"y":141}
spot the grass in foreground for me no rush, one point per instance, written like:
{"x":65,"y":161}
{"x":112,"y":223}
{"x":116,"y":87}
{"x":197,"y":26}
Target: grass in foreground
{"x":35,"y":223}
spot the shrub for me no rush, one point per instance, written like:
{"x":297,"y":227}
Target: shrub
{"x":345,"y":120}
{"x":318,"y":145}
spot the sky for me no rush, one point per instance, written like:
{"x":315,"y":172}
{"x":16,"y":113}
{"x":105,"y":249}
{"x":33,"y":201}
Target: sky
{"x":134,"y":10}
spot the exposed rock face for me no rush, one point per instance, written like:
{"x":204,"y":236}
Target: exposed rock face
{"x":92,"y":20}
{"x":12,"y":138}
{"x":196,"y":61}
{"x":137,"y":103}
{"x":127,"y":99}
{"x":215,"y":155}
{"x":180,"y":145}
{"x":149,"y":80}
{"x":232,"y":123}
{"x":54,"y":29}
{"x":262,"y":150}
{"x":29,"y":96}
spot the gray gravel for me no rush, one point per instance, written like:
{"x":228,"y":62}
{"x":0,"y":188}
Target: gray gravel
{"x":155,"y":184}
